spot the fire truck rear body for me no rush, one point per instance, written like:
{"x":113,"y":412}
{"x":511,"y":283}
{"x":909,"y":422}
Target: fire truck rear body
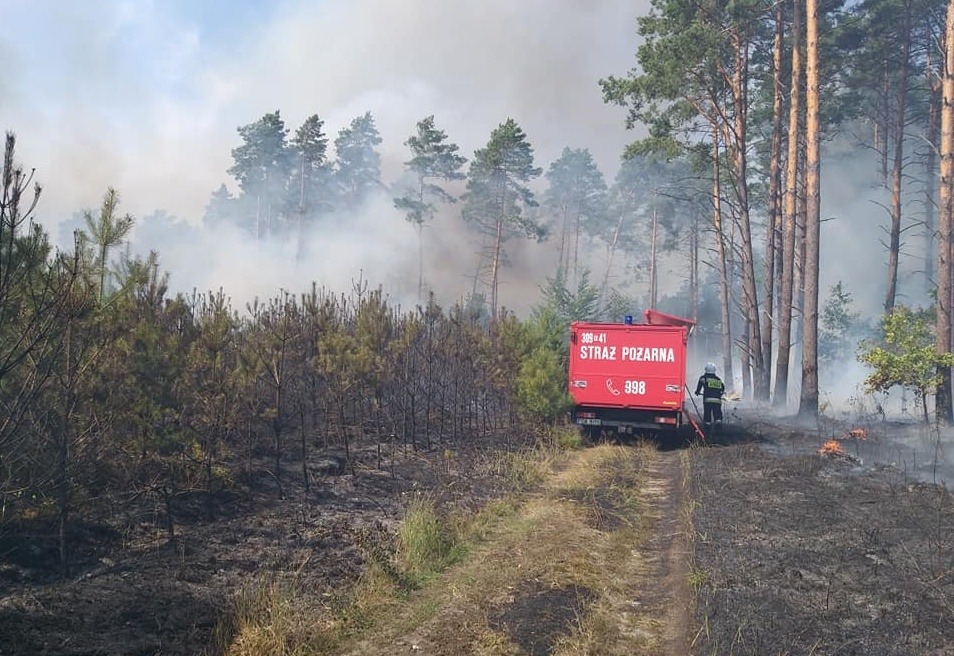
{"x":629,"y":377}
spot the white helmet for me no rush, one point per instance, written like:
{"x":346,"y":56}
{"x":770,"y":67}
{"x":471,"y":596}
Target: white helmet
{"x":710,"y":368}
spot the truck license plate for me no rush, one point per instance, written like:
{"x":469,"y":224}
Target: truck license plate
{"x":588,"y":422}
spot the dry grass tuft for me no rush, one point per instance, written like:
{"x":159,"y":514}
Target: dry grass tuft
{"x":524,"y":469}
{"x":275,"y":617}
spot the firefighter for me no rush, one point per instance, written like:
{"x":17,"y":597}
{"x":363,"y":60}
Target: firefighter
{"x":712,"y":388}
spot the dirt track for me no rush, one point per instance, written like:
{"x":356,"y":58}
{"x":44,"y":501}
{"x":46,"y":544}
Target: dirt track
{"x":668,"y":550}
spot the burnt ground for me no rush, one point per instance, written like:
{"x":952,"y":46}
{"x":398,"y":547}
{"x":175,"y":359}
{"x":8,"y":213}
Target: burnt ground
{"x":793,"y":552}
{"x":539,"y":615}
{"x":134,"y":591}
{"x":801,"y":553}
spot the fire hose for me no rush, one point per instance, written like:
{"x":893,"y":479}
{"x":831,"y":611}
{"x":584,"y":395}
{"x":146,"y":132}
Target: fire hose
{"x":695,"y":425}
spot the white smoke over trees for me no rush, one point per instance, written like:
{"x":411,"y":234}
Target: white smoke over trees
{"x":146,"y":97}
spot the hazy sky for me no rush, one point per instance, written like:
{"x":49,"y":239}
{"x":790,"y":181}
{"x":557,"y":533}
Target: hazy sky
{"x":146,"y":96}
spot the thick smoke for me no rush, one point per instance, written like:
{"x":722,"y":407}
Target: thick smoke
{"x":146,"y":97}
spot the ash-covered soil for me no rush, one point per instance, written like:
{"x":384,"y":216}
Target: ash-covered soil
{"x":843,"y":552}
{"x":133,"y":590}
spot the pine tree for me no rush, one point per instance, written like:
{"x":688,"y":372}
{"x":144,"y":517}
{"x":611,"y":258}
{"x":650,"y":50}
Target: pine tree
{"x":433,"y":160}
{"x":694,"y":83}
{"x":35,"y":294}
{"x":358,"y":165}
{"x":311,"y":192}
{"x":106,"y":231}
{"x":576,"y":199}
{"x":220,"y":208}
{"x":648,"y":207}
{"x":262,"y":168}
{"x":497,"y":195}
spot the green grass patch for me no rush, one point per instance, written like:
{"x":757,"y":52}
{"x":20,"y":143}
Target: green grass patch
{"x":426,"y":543}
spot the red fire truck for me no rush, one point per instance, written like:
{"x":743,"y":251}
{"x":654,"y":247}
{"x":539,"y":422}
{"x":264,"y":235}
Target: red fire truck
{"x":629,"y":377}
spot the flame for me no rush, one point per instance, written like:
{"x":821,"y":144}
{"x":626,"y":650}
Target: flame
{"x":857,"y":433}
{"x":831,"y":448}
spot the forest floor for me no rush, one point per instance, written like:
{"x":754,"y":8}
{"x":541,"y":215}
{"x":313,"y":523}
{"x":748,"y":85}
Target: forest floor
{"x":849,"y":551}
{"x":754,"y":543}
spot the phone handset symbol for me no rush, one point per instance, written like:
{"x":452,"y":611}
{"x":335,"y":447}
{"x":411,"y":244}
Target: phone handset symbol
{"x":609,"y":386}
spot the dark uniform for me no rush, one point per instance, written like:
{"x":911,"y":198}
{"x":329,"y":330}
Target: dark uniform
{"x":712,"y":388}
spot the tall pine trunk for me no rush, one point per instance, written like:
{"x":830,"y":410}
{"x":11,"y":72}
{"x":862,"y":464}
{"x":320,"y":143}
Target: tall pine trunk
{"x":931,"y":180}
{"x":773,"y":236}
{"x":497,"y":252}
{"x":790,"y":220}
{"x":945,"y":242}
{"x":694,"y":269}
{"x":717,"y":224}
{"x":610,"y":254}
{"x":897,"y":163}
{"x":808,"y":405}
{"x":739,"y":146}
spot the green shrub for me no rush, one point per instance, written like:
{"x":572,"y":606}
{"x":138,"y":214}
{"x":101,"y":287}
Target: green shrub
{"x":541,"y":386}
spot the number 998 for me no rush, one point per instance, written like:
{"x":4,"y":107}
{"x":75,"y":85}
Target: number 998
{"x":635,"y":387}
